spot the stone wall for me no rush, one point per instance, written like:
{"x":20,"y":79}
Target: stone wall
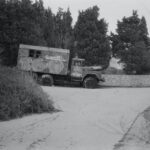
{"x":127,"y":80}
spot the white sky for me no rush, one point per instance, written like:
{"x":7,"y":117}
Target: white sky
{"x":111,"y":10}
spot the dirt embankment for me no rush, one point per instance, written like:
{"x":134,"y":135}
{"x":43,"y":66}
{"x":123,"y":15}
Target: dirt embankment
{"x":137,"y":136}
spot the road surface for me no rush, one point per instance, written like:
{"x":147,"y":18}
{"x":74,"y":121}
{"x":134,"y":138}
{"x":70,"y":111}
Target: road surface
{"x":90,"y":119}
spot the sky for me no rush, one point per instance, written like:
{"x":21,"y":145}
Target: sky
{"x":110,"y":10}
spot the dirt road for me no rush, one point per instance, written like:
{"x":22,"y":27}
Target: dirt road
{"x":90,"y":120}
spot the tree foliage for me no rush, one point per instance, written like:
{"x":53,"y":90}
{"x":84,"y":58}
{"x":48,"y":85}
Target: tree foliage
{"x":63,"y":28}
{"x":21,"y":25}
{"x":23,"y":21}
{"x":130,"y":44}
{"x":28,"y":22}
{"x":91,"y":39}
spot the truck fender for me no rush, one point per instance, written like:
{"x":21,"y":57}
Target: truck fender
{"x":90,"y":75}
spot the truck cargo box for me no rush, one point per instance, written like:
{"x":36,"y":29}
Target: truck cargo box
{"x":43,"y":59}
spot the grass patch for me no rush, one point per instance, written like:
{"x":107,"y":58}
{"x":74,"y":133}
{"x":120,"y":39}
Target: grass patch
{"x":20,"y":95}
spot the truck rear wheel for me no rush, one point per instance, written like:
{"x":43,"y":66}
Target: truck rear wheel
{"x":90,"y":82}
{"x":47,"y":80}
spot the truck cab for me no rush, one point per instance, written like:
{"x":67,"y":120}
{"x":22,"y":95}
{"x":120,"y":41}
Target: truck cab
{"x":88,"y":76}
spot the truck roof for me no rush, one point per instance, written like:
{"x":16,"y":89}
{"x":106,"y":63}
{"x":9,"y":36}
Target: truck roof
{"x":42,"y":48}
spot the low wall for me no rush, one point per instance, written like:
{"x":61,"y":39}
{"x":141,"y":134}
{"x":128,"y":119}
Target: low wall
{"x":127,"y":80}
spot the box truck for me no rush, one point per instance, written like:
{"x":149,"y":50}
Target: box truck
{"x":52,"y":65}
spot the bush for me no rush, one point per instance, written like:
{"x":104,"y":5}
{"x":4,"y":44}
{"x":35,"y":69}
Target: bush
{"x":20,"y":95}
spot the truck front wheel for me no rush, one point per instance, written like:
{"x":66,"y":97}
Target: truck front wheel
{"x":90,"y":82}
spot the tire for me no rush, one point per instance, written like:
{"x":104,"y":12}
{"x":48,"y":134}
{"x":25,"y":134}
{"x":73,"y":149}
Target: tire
{"x":47,"y":80}
{"x":90,"y":82}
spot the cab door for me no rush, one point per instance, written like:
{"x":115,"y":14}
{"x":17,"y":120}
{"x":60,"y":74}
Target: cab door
{"x":76,"y":68}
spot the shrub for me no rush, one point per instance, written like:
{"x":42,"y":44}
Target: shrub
{"x":20,"y":95}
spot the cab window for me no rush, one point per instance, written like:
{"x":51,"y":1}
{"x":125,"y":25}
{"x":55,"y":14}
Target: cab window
{"x":34,"y":53}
